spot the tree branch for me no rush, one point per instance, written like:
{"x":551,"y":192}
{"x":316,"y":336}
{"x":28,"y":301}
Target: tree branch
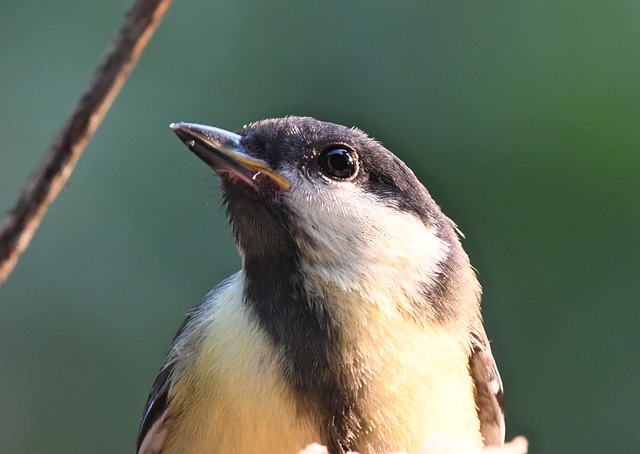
{"x":54,"y":171}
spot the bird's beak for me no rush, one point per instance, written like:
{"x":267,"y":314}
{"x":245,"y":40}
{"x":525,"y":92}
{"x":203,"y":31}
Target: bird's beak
{"x":224,"y":152}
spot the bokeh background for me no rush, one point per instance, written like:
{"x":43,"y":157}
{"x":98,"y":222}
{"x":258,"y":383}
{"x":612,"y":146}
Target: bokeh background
{"x":522,"y":118}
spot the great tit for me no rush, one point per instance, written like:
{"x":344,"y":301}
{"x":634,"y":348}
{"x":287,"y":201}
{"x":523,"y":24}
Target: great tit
{"x":355,"y":319}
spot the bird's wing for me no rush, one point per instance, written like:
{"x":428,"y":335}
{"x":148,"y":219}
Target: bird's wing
{"x":153,"y":428}
{"x":488,"y":390}
{"x":157,"y":417}
{"x":155,"y":420}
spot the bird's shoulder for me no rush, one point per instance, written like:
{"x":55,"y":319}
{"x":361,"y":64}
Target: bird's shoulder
{"x":154,"y":427}
{"x":156,"y":418}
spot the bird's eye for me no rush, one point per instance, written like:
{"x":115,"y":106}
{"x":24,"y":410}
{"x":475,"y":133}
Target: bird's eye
{"x":338,"y":162}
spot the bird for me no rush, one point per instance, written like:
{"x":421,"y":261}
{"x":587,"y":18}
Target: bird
{"x":354,"y":321}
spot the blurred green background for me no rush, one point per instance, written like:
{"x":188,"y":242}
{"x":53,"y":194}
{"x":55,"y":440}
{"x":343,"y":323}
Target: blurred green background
{"x":522,"y":119}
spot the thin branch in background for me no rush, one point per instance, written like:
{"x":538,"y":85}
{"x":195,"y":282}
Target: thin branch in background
{"x":54,"y":171}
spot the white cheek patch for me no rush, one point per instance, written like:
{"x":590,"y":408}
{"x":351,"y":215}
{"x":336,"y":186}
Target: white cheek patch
{"x":355,"y":242}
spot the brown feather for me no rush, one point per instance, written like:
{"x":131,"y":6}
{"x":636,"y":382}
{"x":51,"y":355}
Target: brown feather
{"x":488,"y":391}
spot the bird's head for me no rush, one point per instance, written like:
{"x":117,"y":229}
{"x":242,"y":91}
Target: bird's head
{"x":328,"y":202}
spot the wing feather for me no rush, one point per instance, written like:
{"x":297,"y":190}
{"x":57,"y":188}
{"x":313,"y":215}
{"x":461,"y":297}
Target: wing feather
{"x":489,"y":399}
{"x":153,"y":428}
{"x":157,"y":411}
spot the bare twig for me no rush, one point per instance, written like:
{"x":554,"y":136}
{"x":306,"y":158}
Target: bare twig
{"x":54,"y":171}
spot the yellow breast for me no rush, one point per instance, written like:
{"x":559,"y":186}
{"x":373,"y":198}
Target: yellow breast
{"x":233,"y":399}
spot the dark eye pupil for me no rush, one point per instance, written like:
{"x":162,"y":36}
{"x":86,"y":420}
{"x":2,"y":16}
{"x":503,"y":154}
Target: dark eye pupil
{"x":338,"y":163}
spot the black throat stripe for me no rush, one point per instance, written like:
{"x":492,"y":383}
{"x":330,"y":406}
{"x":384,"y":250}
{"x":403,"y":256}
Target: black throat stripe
{"x":325,"y":386}
{"x":301,"y":328}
